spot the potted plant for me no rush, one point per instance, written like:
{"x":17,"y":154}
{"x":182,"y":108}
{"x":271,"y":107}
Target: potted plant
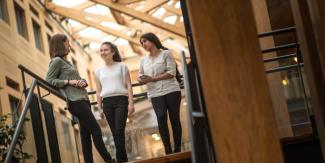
{"x":6,"y":135}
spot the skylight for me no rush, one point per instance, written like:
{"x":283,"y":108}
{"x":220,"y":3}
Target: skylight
{"x":159,"y":13}
{"x":73,"y":23}
{"x":112,"y":25}
{"x":178,"y":5}
{"x":120,"y":41}
{"x":68,"y":3}
{"x":108,"y":38}
{"x":170,"y":2}
{"x":98,"y":9}
{"x":90,"y":32}
{"x":174,"y":43}
{"x":94,"y":45}
{"x":170,"y":19}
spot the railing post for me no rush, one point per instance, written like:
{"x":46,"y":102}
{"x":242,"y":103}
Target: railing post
{"x":20,"y":121}
{"x":188,"y":105}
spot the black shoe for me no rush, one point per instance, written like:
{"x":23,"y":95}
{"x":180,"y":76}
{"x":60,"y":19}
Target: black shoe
{"x":168,"y":150}
{"x":177,"y":149}
{"x":121,"y":160}
{"x":111,"y":161}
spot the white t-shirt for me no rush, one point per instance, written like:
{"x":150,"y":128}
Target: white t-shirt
{"x":112,"y":79}
{"x":154,"y":66}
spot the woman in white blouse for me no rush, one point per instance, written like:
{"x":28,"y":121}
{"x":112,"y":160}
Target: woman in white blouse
{"x":114,"y":95}
{"x":158,"y":71}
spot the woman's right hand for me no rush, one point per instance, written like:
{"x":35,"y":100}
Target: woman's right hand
{"x":139,"y":79}
{"x":77,"y":83}
{"x":101,"y":113}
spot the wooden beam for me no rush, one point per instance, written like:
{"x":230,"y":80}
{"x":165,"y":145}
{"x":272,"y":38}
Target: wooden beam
{"x":176,"y":157}
{"x":127,"y":1}
{"x":119,"y":19}
{"x":79,"y":16}
{"x":236,"y":96}
{"x":173,"y":9}
{"x":142,"y":16}
{"x":150,"y":5}
{"x":84,"y":5}
{"x":138,"y":25}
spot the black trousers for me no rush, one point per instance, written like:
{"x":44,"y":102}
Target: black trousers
{"x":116,"y":112}
{"x":169,"y":103}
{"x":89,"y":128}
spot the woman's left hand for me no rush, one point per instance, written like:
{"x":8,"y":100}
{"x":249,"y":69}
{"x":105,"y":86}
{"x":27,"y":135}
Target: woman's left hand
{"x":146,"y":79}
{"x":82,"y":83}
{"x":130,"y":109}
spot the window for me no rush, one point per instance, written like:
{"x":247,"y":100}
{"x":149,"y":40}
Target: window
{"x":33,"y":10}
{"x":38,"y":36}
{"x":14,"y":107}
{"x":48,"y":37}
{"x":4,"y":11}
{"x":48,"y":26}
{"x":12,"y":84}
{"x":21,"y":21}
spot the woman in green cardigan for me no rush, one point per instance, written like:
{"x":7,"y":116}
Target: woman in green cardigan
{"x":63,"y":75}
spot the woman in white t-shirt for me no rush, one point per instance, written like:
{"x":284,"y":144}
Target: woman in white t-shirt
{"x":158,"y":71}
{"x":114,"y":95}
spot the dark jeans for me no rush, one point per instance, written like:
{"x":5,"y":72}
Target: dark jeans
{"x":116,"y":112}
{"x":88,"y":128}
{"x":169,"y":103}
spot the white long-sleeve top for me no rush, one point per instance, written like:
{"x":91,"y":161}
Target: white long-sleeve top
{"x":154,"y":66}
{"x":112,"y":79}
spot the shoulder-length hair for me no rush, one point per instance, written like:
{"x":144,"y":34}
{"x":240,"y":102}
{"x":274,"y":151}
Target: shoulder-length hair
{"x":114,"y":50}
{"x":57,"y":48}
{"x":154,"y":39}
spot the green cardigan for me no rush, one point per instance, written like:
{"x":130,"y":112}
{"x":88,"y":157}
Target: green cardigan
{"x":60,"y":70}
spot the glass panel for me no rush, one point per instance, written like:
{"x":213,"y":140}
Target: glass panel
{"x":291,"y":102}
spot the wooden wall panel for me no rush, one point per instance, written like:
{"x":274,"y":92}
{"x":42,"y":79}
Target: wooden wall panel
{"x":237,"y":98}
{"x":309,"y":19}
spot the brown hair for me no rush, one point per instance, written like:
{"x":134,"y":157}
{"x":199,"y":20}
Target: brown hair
{"x":114,"y":49}
{"x":57,"y":48}
{"x":154,"y":39}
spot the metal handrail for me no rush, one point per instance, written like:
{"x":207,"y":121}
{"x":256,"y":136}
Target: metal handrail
{"x":280,"y":47}
{"x":282,"y":68}
{"x":43,"y":83}
{"x":20,"y":122}
{"x":189,"y":104}
{"x":279,"y":58}
{"x":277,"y":31}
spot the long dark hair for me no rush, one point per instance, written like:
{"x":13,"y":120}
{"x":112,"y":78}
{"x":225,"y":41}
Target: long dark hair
{"x":154,"y":39}
{"x":114,"y":50}
{"x":57,"y":48}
